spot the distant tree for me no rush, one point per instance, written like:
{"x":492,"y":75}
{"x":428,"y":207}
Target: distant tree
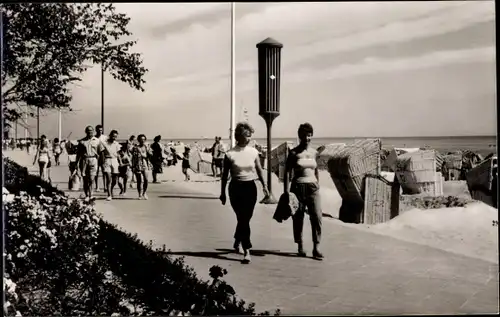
{"x":48,"y":46}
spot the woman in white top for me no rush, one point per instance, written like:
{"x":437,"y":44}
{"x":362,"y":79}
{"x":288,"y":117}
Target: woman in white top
{"x":301,"y":165}
{"x":43,"y":157}
{"x":243,"y":163}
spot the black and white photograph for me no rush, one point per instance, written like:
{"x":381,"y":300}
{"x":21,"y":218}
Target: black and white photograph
{"x":249,"y":158}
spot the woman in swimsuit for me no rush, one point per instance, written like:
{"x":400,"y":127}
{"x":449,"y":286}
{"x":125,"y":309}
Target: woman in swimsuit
{"x":141,"y":156}
{"x":302,"y":167}
{"x":57,"y":149}
{"x":125,"y":169}
{"x":43,"y":157}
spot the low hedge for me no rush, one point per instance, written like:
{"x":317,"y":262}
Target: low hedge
{"x":17,"y":179}
{"x":434,"y":202}
{"x":62,"y":258}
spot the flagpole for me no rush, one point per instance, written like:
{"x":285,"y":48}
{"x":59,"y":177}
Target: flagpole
{"x":102,"y":96}
{"x":233,"y":74}
{"x":59,"y":126}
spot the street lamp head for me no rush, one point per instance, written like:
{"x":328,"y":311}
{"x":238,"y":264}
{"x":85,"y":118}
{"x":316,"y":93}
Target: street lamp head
{"x":269,"y":42}
{"x":269,"y":75}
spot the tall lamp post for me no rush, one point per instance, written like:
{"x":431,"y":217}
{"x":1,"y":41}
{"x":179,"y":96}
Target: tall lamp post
{"x":38,"y":123}
{"x":102,"y":96}
{"x":233,"y":75}
{"x":269,"y":59}
{"x":59,"y":130}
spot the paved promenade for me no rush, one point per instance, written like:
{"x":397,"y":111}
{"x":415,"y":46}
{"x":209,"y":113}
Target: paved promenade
{"x":363,"y":273}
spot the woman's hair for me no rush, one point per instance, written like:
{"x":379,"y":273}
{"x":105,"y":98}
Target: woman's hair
{"x":43,"y":136}
{"x":132,"y":137}
{"x":56,"y":140}
{"x":241,"y":128}
{"x":305,"y":129}
{"x":141,"y":136}
{"x":157,"y":138}
{"x":113,"y":132}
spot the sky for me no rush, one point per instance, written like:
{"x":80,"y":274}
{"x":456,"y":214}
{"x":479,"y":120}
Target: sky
{"x":351,"y":69}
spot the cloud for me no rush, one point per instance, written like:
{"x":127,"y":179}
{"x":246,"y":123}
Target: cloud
{"x":455,"y":18}
{"x":375,"y":65}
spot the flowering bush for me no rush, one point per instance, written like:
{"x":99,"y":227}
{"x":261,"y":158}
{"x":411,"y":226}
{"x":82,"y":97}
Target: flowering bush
{"x":50,"y":253}
{"x":62,"y":258}
{"x":11,"y":297}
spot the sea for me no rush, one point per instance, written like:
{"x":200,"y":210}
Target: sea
{"x":483,"y":145}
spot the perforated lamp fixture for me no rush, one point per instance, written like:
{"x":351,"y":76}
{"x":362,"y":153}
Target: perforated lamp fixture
{"x":269,"y":53}
{"x":269,"y":59}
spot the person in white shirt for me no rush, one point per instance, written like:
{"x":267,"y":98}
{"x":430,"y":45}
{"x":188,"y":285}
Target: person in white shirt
{"x":102,"y":138}
{"x":108,"y":151}
{"x":243,"y":163}
{"x":87,"y":160}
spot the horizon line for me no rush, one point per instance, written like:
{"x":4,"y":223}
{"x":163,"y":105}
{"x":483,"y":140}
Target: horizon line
{"x":347,"y":137}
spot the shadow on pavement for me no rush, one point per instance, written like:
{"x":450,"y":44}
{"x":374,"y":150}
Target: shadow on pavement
{"x":266,"y":252}
{"x":116,"y":198}
{"x":187,"y":196}
{"x":211,"y":255}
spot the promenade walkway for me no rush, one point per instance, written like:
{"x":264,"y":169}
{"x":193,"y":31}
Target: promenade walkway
{"x":363,"y":273}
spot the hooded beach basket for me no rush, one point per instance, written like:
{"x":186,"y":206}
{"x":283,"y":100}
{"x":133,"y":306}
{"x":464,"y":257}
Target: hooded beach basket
{"x":326,"y":152}
{"x":349,"y":165}
{"x":278,"y":159}
{"x":416,"y":172}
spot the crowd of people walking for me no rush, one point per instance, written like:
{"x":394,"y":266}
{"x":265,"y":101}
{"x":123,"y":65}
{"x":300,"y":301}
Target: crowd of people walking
{"x":99,"y":156}
{"x":122,"y":164}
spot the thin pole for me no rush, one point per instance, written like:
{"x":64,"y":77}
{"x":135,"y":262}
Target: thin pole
{"x":60,"y":125}
{"x":16,"y":132}
{"x":269,"y":148}
{"x":233,"y":75}
{"x":38,"y":124}
{"x":25,"y":125}
{"x":102,"y":96}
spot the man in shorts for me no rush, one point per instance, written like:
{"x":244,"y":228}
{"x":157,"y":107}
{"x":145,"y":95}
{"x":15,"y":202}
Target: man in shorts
{"x":102,"y":138}
{"x":87,"y":158}
{"x":109,"y":155}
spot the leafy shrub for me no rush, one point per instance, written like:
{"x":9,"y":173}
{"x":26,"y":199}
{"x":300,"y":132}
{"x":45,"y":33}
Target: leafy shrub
{"x":62,"y":258}
{"x":434,"y":202}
